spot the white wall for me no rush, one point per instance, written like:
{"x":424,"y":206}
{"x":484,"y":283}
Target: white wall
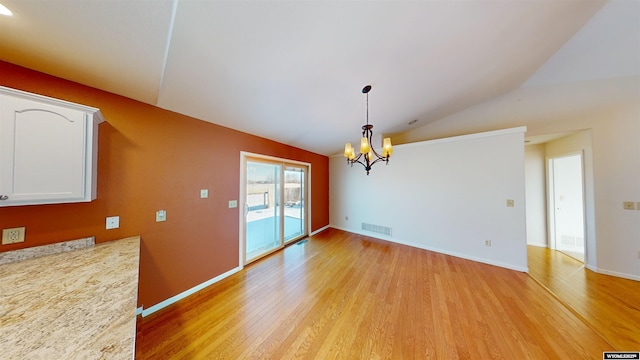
{"x":616,"y":162}
{"x":535,"y":192}
{"x":447,"y":195}
{"x":610,"y":109}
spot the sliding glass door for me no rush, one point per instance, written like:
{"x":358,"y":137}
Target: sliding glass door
{"x":262,"y":208}
{"x":275,"y":210}
{"x":294,"y":188}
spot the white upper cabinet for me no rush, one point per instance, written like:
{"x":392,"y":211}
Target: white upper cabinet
{"x":48,"y":150}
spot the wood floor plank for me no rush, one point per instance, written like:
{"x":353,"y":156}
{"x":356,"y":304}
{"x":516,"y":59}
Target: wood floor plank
{"x":346,"y":296}
{"x":610,"y":305}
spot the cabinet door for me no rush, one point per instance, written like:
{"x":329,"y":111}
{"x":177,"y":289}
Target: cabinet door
{"x":42,"y":158}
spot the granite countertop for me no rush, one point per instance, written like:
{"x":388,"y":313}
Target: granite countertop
{"x":77,"y":304}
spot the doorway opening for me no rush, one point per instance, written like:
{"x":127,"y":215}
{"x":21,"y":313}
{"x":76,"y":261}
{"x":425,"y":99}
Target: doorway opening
{"x":274,"y":193}
{"x":565,"y":181}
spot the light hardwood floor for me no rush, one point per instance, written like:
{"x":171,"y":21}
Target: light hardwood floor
{"x":346,"y":296}
{"x":609,"y":305}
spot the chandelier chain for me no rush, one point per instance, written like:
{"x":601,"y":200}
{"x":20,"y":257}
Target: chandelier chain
{"x":367,"y":108}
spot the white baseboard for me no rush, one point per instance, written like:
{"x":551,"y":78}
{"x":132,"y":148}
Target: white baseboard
{"x":544,"y":245}
{"x":441,"y":251}
{"x":320,"y":230}
{"x":462,"y":256}
{"x":184,"y":294}
{"x":613,"y":273}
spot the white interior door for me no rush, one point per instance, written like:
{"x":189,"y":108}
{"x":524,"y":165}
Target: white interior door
{"x":567,"y":205}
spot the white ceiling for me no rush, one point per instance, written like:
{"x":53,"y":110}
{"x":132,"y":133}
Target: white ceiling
{"x":607,"y":47}
{"x":293,"y":71}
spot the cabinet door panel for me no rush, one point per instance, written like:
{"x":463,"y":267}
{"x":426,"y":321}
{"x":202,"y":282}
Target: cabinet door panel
{"x":46,"y":151}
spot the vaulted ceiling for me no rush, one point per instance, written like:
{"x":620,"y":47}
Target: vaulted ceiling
{"x":293,"y":71}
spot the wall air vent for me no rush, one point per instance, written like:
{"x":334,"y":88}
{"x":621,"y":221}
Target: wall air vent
{"x":385,"y":230}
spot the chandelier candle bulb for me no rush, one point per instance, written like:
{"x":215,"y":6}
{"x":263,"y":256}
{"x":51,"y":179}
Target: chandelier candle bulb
{"x":348,"y":150}
{"x":364,"y":146}
{"x":387,"y":149}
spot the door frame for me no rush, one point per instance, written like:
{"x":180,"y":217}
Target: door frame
{"x":244,"y":156}
{"x":551,"y":206}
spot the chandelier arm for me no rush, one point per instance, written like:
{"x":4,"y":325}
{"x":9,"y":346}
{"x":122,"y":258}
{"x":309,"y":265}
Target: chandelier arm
{"x":380,"y":159}
{"x":361,"y":163}
{"x":376,"y":153}
{"x":355,"y":160}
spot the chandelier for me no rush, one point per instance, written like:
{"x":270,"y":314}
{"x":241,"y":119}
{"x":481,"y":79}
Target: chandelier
{"x":368,"y":155}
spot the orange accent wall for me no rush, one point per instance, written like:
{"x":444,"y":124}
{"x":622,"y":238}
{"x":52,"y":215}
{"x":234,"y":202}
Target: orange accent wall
{"x":151,"y":159}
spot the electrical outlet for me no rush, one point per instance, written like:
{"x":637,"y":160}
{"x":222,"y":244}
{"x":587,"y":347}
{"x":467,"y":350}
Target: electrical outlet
{"x":628,"y":205}
{"x":487,"y":243}
{"x":204,"y":193}
{"x":510,"y":203}
{"x":113,"y":222}
{"x":12,"y":236}
{"x":233,"y":204}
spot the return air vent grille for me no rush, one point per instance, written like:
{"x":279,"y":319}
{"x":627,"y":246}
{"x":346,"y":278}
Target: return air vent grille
{"x":385,"y":230}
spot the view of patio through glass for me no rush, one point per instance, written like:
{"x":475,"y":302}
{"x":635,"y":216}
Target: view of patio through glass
{"x":293,"y":202}
{"x":262,"y":223}
{"x":274,"y":206}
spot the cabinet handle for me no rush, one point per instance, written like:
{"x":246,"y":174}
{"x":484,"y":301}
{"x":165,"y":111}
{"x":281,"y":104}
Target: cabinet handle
{"x":4,"y":197}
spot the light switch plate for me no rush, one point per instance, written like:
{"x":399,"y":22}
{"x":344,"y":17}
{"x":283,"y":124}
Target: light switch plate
{"x":233,"y":204}
{"x":113,"y":222}
{"x":628,"y":205}
{"x":204,"y":193}
{"x":161,"y":215}
{"x":510,"y":203}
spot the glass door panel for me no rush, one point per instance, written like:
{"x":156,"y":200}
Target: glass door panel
{"x":275,"y":205}
{"x":294,"y":203}
{"x":262,"y":209}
